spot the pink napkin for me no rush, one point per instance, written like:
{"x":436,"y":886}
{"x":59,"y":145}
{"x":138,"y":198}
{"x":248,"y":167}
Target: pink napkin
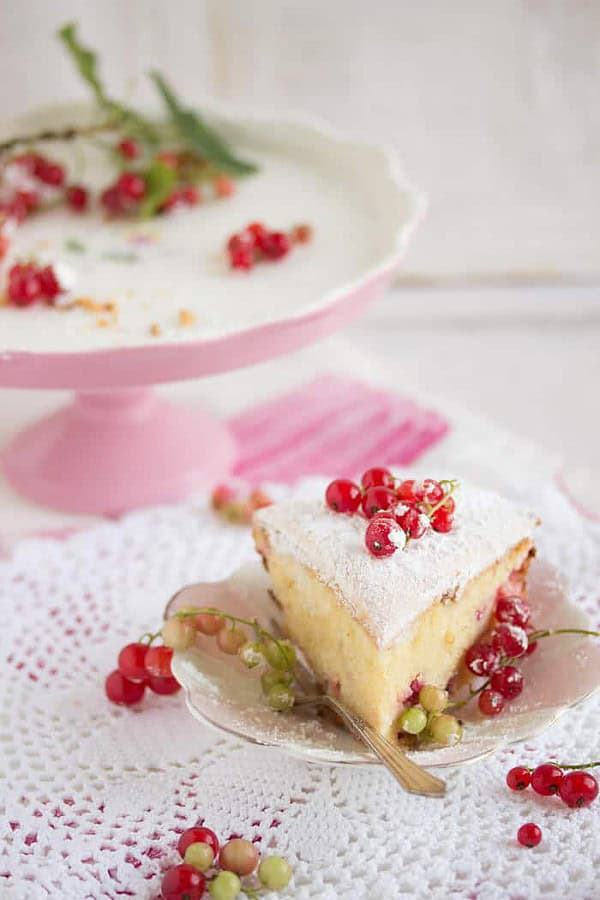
{"x":332,"y":425}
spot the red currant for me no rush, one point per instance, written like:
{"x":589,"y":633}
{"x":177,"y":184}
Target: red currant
{"x":302,"y":234}
{"x":508,"y":681}
{"x":442,"y":520}
{"x":10,"y":210}
{"x":431,"y":491}
{"x":191,"y":195}
{"x":578,"y":789}
{"x":158,"y":661}
{"x":414,"y":523}
{"x":111,"y":200}
{"x":481,"y":659}
{"x":510,"y":640}
{"x":531,"y":648}
{"x":491,"y":703}
{"x":513,"y":611}
{"x":128,"y":148}
{"x":383,"y":536}
{"x":377,"y":499}
{"x":77,"y":197}
{"x":343,"y":496}
{"x":24,"y":286}
{"x":242,"y":259}
{"x":131,"y":187}
{"x":120,"y":690}
{"x":241,"y":241}
{"x":546,"y":779}
{"x":377,"y":477}
{"x":183,"y":883}
{"x":50,"y":286}
{"x":224,"y":186}
{"x":519,"y":778}
{"x":29,"y":199}
{"x":275,"y":245}
{"x":408,"y":492}
{"x":132,"y":662}
{"x":258,"y":233}
{"x":449,"y":504}
{"x":198,"y":835}
{"x":163,"y":685}
{"x":529,"y":835}
{"x":49,"y":172}
{"x":27,"y":161}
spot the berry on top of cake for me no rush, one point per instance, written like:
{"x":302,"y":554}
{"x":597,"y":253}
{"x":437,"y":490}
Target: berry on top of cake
{"x":373,"y":625}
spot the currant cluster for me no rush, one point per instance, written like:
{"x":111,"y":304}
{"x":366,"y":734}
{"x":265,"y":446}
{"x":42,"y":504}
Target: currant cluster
{"x":256,"y":243}
{"x":28,"y":283}
{"x":140,"y":666}
{"x":427,"y":720}
{"x":572,"y":784}
{"x":575,"y":787}
{"x":143,"y":664}
{"x":221,"y":869}
{"x":234,"y":506}
{"x":508,"y":641}
{"x":125,"y":195}
{"x":399,"y":511}
{"x":512,"y":638}
{"x":35,"y":178}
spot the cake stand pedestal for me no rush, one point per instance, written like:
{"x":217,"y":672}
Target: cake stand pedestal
{"x":119,"y":447}
{"x":110,"y":451}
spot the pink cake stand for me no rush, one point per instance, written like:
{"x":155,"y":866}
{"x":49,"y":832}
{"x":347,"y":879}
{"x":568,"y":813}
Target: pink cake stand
{"x":118,"y":446}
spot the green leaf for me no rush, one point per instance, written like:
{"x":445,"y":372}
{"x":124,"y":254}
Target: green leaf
{"x":160,"y":180}
{"x":198,"y":135}
{"x":86,"y":63}
{"x":84,"y":59}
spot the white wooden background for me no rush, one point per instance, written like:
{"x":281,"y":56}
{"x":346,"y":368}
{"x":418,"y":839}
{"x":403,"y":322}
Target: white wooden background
{"x":493,"y":104}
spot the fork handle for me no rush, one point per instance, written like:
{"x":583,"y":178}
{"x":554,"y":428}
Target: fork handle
{"x":411,"y":776}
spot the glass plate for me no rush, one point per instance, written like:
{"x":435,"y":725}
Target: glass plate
{"x":222,"y":693}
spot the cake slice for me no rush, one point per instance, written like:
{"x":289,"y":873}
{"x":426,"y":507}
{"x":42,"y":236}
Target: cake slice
{"x":374,"y":629}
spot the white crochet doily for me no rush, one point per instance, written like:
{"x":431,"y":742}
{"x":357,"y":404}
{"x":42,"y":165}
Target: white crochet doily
{"x":93,"y":796}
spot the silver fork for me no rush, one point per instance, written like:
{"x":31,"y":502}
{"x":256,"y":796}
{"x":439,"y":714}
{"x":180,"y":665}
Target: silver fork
{"x":411,"y":776}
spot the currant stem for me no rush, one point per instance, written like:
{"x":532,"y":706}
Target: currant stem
{"x":472,"y":693}
{"x":589,"y":765}
{"x":63,"y":134}
{"x":550,"y":632}
{"x":453,"y":486}
{"x":259,"y":631}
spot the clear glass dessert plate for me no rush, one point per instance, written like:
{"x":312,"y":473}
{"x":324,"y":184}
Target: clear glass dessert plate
{"x":221,"y":693}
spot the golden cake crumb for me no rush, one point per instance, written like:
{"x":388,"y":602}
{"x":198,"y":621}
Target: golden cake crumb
{"x":155,"y":330}
{"x":186,"y":317}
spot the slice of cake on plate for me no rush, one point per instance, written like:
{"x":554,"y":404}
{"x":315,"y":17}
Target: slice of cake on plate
{"x":374,"y":629}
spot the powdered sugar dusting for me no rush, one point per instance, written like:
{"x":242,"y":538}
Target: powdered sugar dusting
{"x":388,"y":594}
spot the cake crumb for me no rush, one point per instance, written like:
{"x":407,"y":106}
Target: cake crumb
{"x":155,"y":330}
{"x":449,"y":637}
{"x":186,"y":317}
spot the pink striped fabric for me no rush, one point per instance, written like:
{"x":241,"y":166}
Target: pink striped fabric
{"x":332,"y":425}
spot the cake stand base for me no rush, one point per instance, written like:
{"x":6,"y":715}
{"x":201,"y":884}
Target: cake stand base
{"x":112,"y":451}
